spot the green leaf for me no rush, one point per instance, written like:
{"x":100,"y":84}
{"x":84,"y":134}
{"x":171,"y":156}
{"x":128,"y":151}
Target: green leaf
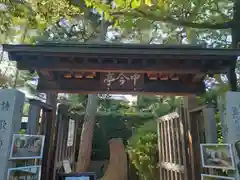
{"x":148,"y":2}
{"x":135,"y":3}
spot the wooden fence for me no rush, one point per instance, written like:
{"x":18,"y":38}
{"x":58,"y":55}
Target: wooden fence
{"x":60,"y":136}
{"x":67,"y":131}
{"x":179,"y":137}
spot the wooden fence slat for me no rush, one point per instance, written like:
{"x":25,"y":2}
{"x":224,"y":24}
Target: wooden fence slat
{"x":163,"y":142}
{"x":65,"y":138}
{"x":179,"y":148}
{"x":57,"y":141}
{"x":159,"y":148}
{"x":195,"y":161}
{"x":173,"y":134}
{"x":169,"y":146}
{"x":61,"y":140}
{"x":186,"y":143}
{"x":163,"y":149}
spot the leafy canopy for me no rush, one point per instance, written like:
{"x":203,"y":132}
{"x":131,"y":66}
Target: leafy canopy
{"x":194,"y":13}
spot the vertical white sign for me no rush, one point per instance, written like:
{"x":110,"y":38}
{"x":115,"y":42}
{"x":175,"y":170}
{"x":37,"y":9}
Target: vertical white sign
{"x":71,"y":130}
{"x":11,"y":107}
{"x":230,"y":121}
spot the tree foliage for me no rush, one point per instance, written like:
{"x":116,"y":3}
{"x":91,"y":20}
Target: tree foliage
{"x":210,"y":14}
{"x":158,"y":105}
{"x":37,"y":14}
{"x":143,"y":151}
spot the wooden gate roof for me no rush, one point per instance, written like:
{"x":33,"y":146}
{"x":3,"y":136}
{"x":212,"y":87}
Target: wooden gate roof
{"x":163,"y":69}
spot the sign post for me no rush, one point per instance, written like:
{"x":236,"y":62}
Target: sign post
{"x":11,"y":107}
{"x":229,"y":107}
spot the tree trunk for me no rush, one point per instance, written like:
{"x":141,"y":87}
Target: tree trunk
{"x":85,"y":147}
{"x":117,"y":168}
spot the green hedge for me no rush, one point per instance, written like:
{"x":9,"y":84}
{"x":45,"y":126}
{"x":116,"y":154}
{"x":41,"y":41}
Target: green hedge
{"x":115,"y":125}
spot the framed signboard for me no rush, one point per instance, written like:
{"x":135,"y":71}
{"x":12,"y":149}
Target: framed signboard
{"x":77,"y":176}
{"x":218,"y":156}
{"x":27,"y":146}
{"x":213,"y":177}
{"x":28,"y":172}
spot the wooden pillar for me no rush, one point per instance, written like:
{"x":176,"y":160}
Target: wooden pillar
{"x":50,"y":145}
{"x":210,"y":125}
{"x":189,"y":103}
{"x":52,"y":101}
{"x":11,"y":107}
{"x":33,"y":117}
{"x":192,"y":108}
{"x":207,"y":120}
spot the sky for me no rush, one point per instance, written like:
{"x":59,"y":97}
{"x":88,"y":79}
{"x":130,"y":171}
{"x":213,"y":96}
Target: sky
{"x":131,"y":98}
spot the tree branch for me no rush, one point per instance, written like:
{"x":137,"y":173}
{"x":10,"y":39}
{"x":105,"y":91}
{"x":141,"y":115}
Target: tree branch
{"x":173,"y":21}
{"x":217,"y":10}
{"x":24,"y":3}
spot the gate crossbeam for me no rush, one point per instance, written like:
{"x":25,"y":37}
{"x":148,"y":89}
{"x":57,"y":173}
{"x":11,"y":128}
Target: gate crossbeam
{"x":85,"y":68}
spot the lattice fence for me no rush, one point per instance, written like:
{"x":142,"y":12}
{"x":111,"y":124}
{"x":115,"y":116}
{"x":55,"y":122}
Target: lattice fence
{"x":179,"y":137}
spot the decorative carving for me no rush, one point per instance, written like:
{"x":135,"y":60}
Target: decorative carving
{"x":135,"y":77}
{"x":5,"y":105}
{"x":3,"y":124}
{"x":1,"y":143}
{"x":109,"y":79}
{"x":121,"y":79}
{"x":224,"y":130}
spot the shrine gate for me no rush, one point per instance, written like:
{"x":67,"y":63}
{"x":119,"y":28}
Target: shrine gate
{"x":133,"y":69}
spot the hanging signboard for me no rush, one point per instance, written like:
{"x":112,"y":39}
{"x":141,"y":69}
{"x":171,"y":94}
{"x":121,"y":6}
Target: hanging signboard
{"x":213,"y":177}
{"x":121,"y":81}
{"x":71,"y":128}
{"x":218,"y":156}
{"x":28,"y":172}
{"x":27,"y":146}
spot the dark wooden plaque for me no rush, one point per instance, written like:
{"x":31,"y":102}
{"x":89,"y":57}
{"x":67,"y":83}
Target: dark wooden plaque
{"x":121,"y":81}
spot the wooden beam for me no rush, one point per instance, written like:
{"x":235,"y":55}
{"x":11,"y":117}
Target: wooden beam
{"x":168,"y":117}
{"x":96,"y":86}
{"x":171,"y":167}
{"x":198,"y":77}
{"x":39,"y":103}
{"x":17,"y":56}
{"x":138,"y":67}
{"x":47,"y":74}
{"x":121,"y":49}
